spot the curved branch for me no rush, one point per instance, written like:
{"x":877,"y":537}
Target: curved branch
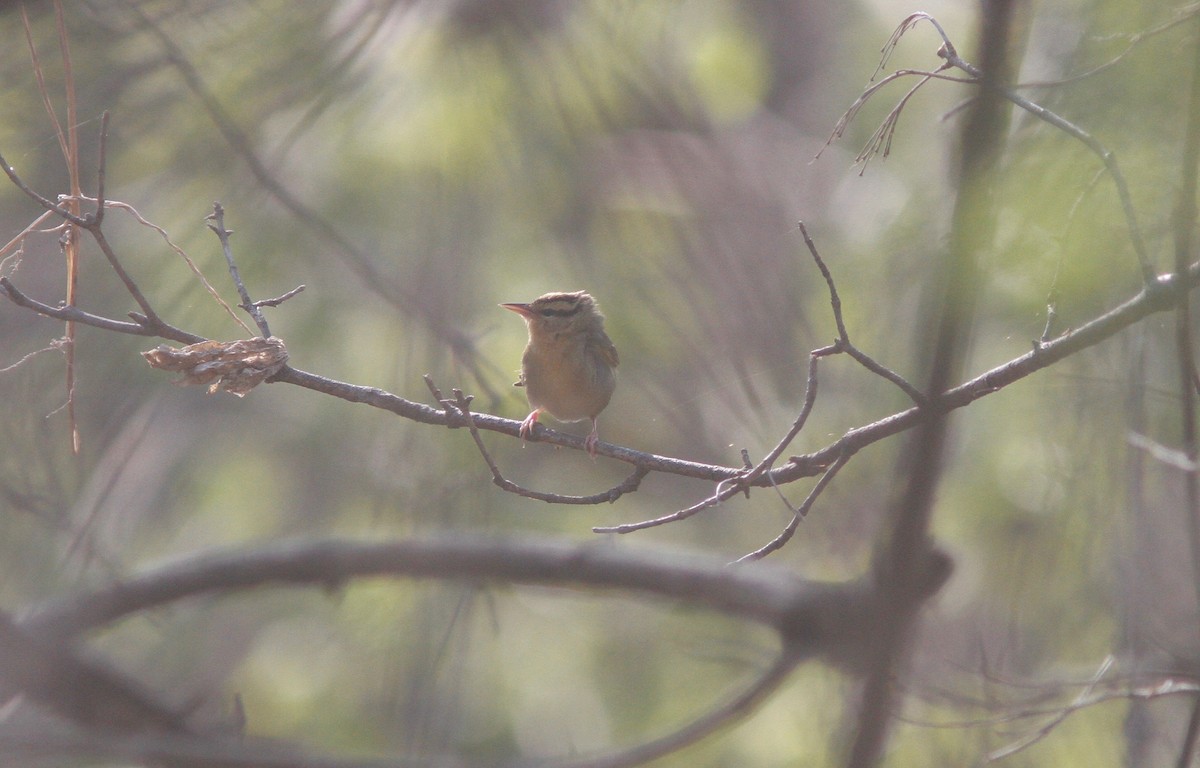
{"x":738,"y":707}
{"x":757,"y":592}
{"x":1161,"y":296}
{"x":70,"y":313}
{"x":461,"y":406}
{"x":812,"y":618}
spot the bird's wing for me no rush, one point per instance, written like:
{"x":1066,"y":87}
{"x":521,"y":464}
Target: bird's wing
{"x":606,"y":349}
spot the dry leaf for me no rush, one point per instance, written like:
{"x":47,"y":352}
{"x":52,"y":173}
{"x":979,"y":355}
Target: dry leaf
{"x":233,"y":366}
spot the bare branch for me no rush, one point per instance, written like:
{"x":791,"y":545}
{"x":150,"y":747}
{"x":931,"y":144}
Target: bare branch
{"x":1182,"y":15}
{"x":848,"y":116}
{"x":45,"y":203}
{"x":1159,"y":298}
{"x":216,"y":222}
{"x":810,"y":398}
{"x":1055,"y":721}
{"x":97,"y":218}
{"x":142,"y":327}
{"x":275,"y":302}
{"x":16,"y":243}
{"x":183,"y":255}
{"x":756,"y":592}
{"x":847,"y":346}
{"x":881,"y":139}
{"x":735,"y":709}
{"x":1107,"y":156}
{"x":798,"y":513}
{"x":461,"y":404}
{"x":57,"y":345}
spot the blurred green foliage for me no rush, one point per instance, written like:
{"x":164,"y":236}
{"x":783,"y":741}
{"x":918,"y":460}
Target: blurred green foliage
{"x":658,"y":155}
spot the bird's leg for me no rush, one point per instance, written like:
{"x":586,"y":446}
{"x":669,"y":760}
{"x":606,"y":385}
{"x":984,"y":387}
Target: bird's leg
{"x":592,"y":439}
{"x":527,"y":424}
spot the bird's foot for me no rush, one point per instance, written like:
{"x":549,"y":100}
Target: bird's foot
{"x":590,"y":442}
{"x":528,"y":424}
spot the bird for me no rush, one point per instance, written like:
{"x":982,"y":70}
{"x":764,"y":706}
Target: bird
{"x":569,"y":366}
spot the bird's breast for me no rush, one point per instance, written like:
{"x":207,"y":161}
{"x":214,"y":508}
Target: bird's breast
{"x":566,"y":382}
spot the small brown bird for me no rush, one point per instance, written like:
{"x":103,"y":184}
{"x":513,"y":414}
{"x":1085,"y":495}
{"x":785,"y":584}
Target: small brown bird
{"x":569,"y":368}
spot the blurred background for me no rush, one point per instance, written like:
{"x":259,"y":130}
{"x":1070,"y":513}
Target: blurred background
{"x":416,"y":163}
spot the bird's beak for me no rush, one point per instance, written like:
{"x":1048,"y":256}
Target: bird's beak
{"x":521,"y":309}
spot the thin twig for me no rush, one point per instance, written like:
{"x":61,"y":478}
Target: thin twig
{"x":880,"y":142}
{"x":141,"y":327}
{"x":29,"y":192}
{"x":69,"y":145}
{"x":93,"y":224}
{"x":101,"y":171}
{"x":798,"y":513}
{"x":1041,"y":733}
{"x":949,"y":54}
{"x":57,"y":345}
{"x":1162,"y":454}
{"x":115,"y":263}
{"x":216,"y":222}
{"x":810,"y":399}
{"x":839,"y":128}
{"x":39,"y":75}
{"x":275,"y":302}
{"x":460,"y":409}
{"x":1182,"y":15}
{"x":179,"y":252}
{"x":29,"y":229}
{"x":70,"y":241}
{"x":725,"y":491}
{"x":1168,"y":686}
{"x":93,"y":227}
{"x":847,"y":345}
{"x":708,"y":723}
{"x":1107,"y":156}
